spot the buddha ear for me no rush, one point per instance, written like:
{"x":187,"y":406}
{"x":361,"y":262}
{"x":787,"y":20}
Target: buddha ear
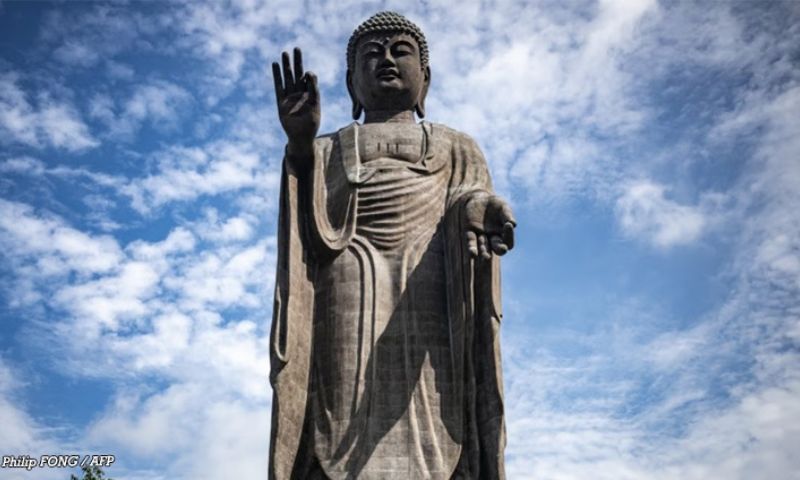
{"x":420,"y":106}
{"x":357,"y":108}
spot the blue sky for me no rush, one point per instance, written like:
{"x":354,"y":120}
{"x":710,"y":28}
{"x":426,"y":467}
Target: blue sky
{"x":651,"y":151}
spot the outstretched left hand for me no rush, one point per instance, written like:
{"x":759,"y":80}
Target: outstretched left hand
{"x":490,"y":225}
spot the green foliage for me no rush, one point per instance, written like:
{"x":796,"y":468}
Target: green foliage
{"x":91,"y":473}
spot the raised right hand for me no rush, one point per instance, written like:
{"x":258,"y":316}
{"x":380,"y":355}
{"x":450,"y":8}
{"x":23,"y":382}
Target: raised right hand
{"x":298,"y":102}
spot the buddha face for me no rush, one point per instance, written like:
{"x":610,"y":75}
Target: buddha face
{"x":388,"y":73}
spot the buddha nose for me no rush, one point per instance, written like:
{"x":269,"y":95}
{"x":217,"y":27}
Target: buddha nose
{"x":388,"y":59}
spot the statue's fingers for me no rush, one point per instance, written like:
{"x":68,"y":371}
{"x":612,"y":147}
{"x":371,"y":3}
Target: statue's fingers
{"x":278,"y":79}
{"x":483,"y":247}
{"x":472,"y":243}
{"x":507,"y":214}
{"x":498,"y":246}
{"x":287,"y":74}
{"x":311,"y":86}
{"x":508,"y":234}
{"x":298,"y":63}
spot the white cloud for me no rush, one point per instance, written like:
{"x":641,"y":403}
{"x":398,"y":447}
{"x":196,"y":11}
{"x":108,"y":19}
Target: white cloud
{"x":119,"y":290}
{"x":51,"y":246}
{"x":14,"y":420}
{"x":48,"y":123}
{"x":554,"y":78}
{"x":717,"y":399}
{"x":158,"y":100}
{"x":755,"y":439}
{"x":76,"y":53}
{"x":103,"y":303}
{"x":225,"y":34}
{"x":155,"y":308}
{"x":644,"y":211}
{"x":232,"y":229}
{"x":83,"y":38}
{"x":119,"y":70}
{"x":222,"y":280}
{"x":158,"y":103}
{"x":179,"y":240}
{"x":99,"y":204}
{"x":191,"y":429}
{"x":22,"y":434}
{"x":25,"y":165}
{"x":230,"y":430}
{"x":187,"y":173}
{"x":159,"y":426}
{"x":101,"y":107}
{"x":643,"y":406}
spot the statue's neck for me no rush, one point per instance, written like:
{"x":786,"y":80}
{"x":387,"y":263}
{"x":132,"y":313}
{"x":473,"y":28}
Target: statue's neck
{"x":389,"y":116}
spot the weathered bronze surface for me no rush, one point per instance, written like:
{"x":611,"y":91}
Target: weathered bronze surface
{"x":385,"y":349}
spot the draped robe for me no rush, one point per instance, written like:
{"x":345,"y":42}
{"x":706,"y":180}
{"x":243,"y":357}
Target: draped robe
{"x":384,"y":344}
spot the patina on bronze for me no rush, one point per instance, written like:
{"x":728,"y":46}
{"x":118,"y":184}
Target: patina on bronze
{"x":385,"y":350}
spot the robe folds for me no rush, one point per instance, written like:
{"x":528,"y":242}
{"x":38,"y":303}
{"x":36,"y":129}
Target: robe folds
{"x":385,"y":355}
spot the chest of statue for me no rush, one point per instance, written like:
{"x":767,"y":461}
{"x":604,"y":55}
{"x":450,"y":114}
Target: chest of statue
{"x":398,"y":200}
{"x":398,"y":141}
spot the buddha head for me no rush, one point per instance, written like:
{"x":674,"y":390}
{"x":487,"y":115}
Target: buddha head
{"x":387,"y":65}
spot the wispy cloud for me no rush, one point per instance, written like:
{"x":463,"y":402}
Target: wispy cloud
{"x":712,"y":400}
{"x":46,"y":122}
{"x":215,"y":367}
{"x":55,"y":248}
{"x":645,"y":212}
{"x":21,"y":432}
{"x":185,"y":173}
{"x":159,"y":103}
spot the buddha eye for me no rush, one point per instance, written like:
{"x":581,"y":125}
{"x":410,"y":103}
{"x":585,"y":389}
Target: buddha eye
{"x":372,"y":49}
{"x":403,"y":49}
